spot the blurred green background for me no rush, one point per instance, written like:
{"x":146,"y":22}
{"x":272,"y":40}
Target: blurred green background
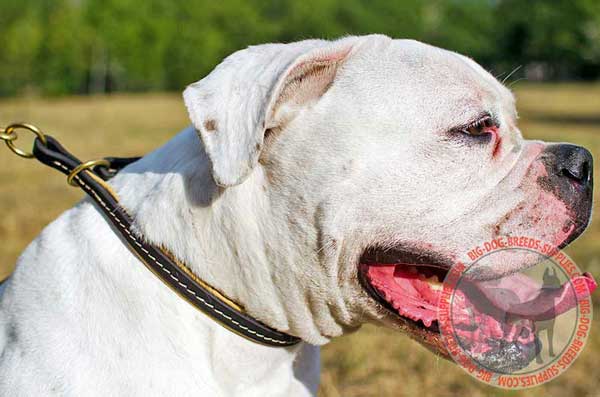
{"x":70,"y":48}
{"x":96,"y":46}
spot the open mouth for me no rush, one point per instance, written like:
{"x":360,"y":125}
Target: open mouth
{"x":494,"y":320}
{"x":408,"y":284}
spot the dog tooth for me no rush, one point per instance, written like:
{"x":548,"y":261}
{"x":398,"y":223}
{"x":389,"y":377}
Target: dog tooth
{"x":434,"y":283}
{"x":433,"y":279}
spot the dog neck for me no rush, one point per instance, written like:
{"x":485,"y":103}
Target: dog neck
{"x":223,"y":235}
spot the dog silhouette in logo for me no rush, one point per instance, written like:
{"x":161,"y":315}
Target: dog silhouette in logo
{"x":550,"y":281}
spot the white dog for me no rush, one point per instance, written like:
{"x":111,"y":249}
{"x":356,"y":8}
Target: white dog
{"x":315,"y":161}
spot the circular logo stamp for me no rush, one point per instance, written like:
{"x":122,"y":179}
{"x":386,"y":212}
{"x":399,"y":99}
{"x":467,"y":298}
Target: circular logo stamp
{"x":517,"y":314}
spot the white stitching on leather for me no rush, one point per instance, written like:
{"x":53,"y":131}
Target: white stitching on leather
{"x":82,"y":183}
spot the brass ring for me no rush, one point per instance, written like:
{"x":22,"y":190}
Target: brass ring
{"x":10,"y":131}
{"x":7,"y":137}
{"x":85,"y":166}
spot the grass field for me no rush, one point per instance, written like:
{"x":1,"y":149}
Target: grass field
{"x":371,"y":362}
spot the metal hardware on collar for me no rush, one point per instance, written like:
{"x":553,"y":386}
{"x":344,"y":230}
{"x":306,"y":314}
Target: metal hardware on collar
{"x":85,"y":166}
{"x":6,"y":137}
{"x":91,"y":176}
{"x":10,"y":135}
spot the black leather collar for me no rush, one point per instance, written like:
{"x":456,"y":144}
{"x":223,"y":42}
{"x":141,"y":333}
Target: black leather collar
{"x":162,"y":263}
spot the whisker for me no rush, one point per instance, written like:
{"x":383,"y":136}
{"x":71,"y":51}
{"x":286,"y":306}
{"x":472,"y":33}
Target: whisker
{"x":516,"y":81}
{"x":499,"y":75}
{"x":511,"y":73}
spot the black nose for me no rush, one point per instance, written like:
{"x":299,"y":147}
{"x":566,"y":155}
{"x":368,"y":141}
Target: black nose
{"x":575,"y":163}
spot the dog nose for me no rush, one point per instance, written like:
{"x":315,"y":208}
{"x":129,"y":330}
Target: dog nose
{"x":575,"y":163}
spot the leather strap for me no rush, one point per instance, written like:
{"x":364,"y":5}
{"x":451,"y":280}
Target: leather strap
{"x":162,"y":263}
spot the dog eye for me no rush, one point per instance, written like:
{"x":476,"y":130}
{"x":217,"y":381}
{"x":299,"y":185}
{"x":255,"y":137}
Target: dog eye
{"x":483,"y":126}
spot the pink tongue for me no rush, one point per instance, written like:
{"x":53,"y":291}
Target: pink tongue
{"x":410,"y":295}
{"x":521,"y":296}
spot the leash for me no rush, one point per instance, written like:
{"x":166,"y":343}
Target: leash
{"x":91,"y":177}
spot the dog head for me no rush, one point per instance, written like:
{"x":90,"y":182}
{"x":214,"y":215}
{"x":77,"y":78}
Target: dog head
{"x":372,"y":151}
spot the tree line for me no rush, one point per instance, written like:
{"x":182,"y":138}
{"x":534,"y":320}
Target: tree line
{"x":55,"y":47}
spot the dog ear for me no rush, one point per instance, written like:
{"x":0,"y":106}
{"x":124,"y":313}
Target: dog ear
{"x":256,"y":89}
{"x":546,"y":272}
